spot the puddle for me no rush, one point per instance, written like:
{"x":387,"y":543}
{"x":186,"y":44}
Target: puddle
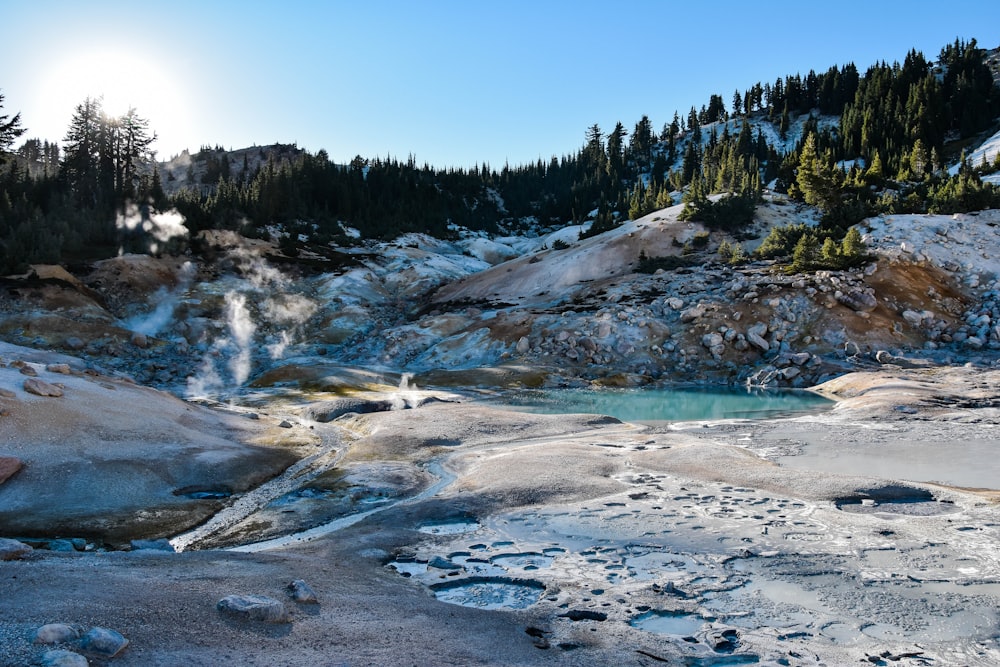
{"x":531,"y":561}
{"x":668,"y":623}
{"x":490,"y":593}
{"x":901,"y":506}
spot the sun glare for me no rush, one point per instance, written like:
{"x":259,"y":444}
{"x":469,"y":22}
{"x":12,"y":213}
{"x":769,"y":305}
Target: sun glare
{"x":123,"y":80}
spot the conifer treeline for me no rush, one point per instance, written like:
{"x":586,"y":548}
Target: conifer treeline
{"x":897,"y":122}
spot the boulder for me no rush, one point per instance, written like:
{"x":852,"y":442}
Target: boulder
{"x":103,"y":643}
{"x":302,"y":593}
{"x":42,"y":388}
{"x":56,"y":633}
{"x":253,"y":608}
{"x":63,"y":658}
{"x":62,"y":369}
{"x":715,"y":343}
{"x":857,"y":300}
{"x":693,"y":313}
{"x":12,"y":549}
{"x":757,"y":341}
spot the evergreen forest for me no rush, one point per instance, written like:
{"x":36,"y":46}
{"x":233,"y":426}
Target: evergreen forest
{"x":851,"y":143}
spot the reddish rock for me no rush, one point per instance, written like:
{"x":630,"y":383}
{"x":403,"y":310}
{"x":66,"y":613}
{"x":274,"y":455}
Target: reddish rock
{"x":9,"y":467}
{"x":42,"y":388}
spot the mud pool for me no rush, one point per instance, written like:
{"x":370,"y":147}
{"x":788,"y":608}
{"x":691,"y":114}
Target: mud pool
{"x":659,"y":404}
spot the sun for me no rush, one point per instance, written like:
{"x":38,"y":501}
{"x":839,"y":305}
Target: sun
{"x":123,"y":80}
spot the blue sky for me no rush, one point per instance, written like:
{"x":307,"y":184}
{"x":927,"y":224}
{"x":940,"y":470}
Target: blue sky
{"x":454,"y":83}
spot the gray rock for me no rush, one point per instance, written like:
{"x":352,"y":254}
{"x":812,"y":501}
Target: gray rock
{"x":325,"y":411}
{"x":301,"y":592}
{"x":56,"y":633}
{"x":693,"y":313}
{"x":253,"y":608}
{"x":523,"y":345}
{"x":789,"y":373}
{"x":857,"y":300}
{"x":74,"y":343}
{"x":63,"y":658}
{"x":883,"y":357}
{"x":758,"y":342}
{"x":103,"y":643}
{"x":443,"y":563}
{"x":12,"y":549}
{"x":65,"y":546}
{"x":152,"y":545}
{"x":712,"y":340}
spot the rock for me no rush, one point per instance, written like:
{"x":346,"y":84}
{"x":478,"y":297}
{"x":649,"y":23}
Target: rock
{"x":975,"y":342}
{"x":789,"y":373}
{"x":103,"y":643}
{"x":56,"y":633}
{"x":693,"y":313}
{"x":28,"y":370}
{"x":62,"y":369}
{"x":74,"y":343}
{"x":913,"y":317}
{"x":140,"y":340}
{"x":712,"y":340}
{"x":675,"y":303}
{"x":755,"y":340}
{"x":523,"y":345}
{"x":799,"y":358}
{"x":301,"y":592}
{"x":12,"y":549}
{"x":443,"y":563}
{"x":7,"y":393}
{"x":9,"y":466}
{"x":152,"y":545}
{"x":63,"y":546}
{"x":42,"y":388}
{"x":883,"y":357}
{"x":253,"y":608}
{"x":285,"y":424}
{"x":63,"y":658}
{"x":857,"y":300}
{"x":325,"y":411}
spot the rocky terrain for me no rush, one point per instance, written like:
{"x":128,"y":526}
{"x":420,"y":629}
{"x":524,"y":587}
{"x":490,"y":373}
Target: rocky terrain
{"x":553,"y":309}
{"x":331,"y":491}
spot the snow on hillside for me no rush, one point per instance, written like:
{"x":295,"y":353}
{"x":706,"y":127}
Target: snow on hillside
{"x":987,"y":150}
{"x":769,"y":129}
{"x":964,"y":242}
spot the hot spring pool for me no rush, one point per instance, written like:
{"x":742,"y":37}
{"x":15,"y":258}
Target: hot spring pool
{"x":636,"y":405}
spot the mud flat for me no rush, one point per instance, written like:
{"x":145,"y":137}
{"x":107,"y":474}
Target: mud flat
{"x":491,"y":537}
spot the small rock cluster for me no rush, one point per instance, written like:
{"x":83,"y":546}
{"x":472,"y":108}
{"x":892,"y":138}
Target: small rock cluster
{"x":98,"y":643}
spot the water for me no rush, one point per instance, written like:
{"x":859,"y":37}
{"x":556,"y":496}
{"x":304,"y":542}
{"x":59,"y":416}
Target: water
{"x":668,"y":623}
{"x":490,"y":593}
{"x":633,"y":405}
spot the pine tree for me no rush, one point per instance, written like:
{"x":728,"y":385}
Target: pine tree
{"x":10,"y":130}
